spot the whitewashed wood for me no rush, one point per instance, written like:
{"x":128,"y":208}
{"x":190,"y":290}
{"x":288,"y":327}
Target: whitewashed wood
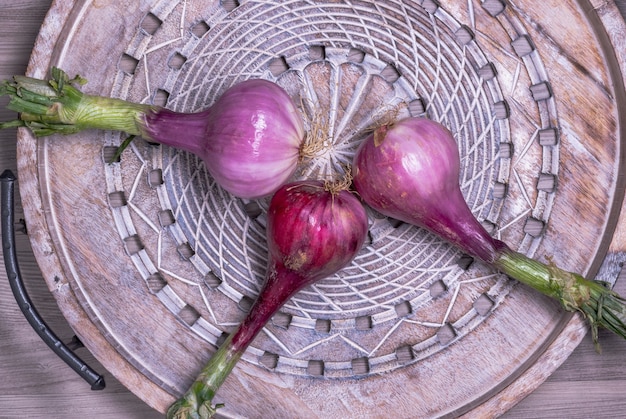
{"x":37,"y":385}
{"x":35,"y":382}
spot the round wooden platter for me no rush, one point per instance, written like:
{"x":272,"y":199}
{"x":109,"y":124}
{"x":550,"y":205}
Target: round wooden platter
{"x":152,"y":263}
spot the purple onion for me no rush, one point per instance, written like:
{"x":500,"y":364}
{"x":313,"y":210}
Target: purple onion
{"x":250,"y":139}
{"x":409,"y":171}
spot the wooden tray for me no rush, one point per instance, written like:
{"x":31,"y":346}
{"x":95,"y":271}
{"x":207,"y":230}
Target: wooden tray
{"x":152,"y":264}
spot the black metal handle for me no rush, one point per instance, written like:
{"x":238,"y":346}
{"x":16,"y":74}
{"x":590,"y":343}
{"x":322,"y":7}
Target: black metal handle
{"x":96,"y":380}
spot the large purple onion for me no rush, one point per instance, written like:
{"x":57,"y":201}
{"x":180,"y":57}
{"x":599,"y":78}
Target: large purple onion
{"x":410,"y":171}
{"x":250,"y":138}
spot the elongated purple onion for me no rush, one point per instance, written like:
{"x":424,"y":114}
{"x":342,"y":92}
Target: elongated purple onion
{"x":409,"y":171}
{"x":250,"y":138}
{"x":313,"y":231}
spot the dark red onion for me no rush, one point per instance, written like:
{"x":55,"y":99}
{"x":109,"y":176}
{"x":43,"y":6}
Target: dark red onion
{"x":313,"y":231}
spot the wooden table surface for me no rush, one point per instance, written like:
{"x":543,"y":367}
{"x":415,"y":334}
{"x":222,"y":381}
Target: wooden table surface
{"x":35,"y":383}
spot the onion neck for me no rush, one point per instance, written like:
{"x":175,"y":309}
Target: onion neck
{"x":184,"y":131}
{"x":57,"y":106}
{"x":452,"y":220}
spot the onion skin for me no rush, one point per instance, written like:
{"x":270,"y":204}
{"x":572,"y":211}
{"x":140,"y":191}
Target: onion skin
{"x":312,"y":233}
{"x":410,"y":171}
{"x":250,"y":139}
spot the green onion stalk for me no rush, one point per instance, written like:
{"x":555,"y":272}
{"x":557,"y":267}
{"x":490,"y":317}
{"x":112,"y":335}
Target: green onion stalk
{"x":54,"y":106}
{"x":601,"y":306}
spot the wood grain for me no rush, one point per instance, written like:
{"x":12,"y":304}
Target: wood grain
{"x":37,"y":384}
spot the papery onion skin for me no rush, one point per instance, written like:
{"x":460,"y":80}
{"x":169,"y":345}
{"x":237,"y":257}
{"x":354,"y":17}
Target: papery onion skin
{"x":250,"y":138}
{"x":409,"y":171}
{"x":312,"y":233}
